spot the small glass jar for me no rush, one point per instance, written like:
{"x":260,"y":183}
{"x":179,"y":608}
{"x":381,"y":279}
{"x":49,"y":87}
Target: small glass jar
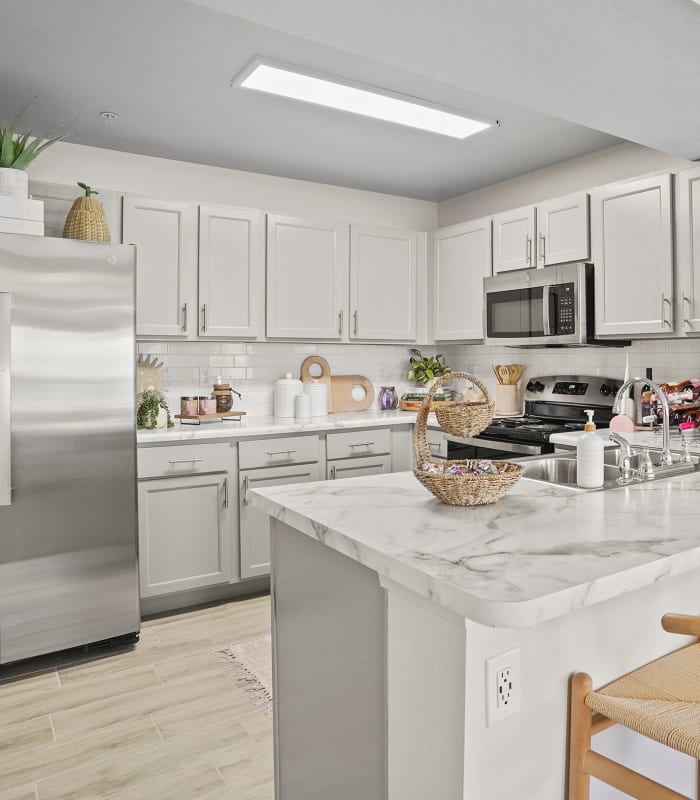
{"x":388,"y":399}
{"x":189,"y":406}
{"x":224,"y":401}
{"x":207,"y":405}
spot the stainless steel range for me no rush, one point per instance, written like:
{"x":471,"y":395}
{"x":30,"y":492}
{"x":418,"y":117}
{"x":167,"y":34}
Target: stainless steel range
{"x":553,"y":404}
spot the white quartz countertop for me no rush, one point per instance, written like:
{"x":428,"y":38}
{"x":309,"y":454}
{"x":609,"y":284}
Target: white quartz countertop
{"x":539,"y":553}
{"x":273,"y":426}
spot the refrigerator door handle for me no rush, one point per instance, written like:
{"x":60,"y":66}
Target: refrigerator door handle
{"x":5,"y":410}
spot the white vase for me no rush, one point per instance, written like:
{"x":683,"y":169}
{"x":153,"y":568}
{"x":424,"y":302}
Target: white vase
{"x":14,"y":183}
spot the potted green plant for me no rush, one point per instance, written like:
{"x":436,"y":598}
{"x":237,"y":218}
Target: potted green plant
{"x":152,"y":410}
{"x":17,"y":151}
{"x":425,"y":369}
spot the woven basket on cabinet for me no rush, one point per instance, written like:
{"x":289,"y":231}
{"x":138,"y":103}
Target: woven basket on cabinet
{"x":86,"y":220}
{"x":460,"y":490}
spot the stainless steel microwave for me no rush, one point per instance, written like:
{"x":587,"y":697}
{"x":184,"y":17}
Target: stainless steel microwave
{"x":540,"y":307}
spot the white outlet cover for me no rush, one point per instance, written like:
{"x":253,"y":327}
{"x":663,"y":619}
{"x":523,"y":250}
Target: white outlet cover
{"x":495,"y":711}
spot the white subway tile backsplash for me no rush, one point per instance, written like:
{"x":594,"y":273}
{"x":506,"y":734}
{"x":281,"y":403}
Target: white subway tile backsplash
{"x":192,"y":348}
{"x":220,"y":361}
{"x":233,"y":348}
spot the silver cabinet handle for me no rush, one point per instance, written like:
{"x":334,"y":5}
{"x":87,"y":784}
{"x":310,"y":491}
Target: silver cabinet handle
{"x":542,"y":248}
{"x":184,"y":460}
{"x":354,"y":322}
{"x":361,"y":444}
{"x":333,"y":472}
{"x":225,"y":492}
{"x":664,"y":321}
{"x":204,"y":317}
{"x":687,"y":320}
{"x":340,"y":322}
{"x":5,"y":408}
{"x":280,"y":452}
{"x":246,"y":484}
{"x":529,"y":251}
{"x":184,"y":317}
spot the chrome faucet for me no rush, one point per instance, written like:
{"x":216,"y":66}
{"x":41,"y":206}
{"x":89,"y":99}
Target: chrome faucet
{"x":666,"y":457}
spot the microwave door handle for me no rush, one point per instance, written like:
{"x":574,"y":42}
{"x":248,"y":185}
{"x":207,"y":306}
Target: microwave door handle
{"x":5,"y":412}
{"x":547,"y":295}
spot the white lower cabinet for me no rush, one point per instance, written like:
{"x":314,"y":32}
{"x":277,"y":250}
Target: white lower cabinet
{"x":254,"y":524}
{"x":184,"y":533}
{"x":356,"y":467}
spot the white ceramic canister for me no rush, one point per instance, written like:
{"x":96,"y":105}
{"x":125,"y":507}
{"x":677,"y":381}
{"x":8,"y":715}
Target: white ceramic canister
{"x":302,"y":406}
{"x":284,"y":392}
{"x":318,"y":392}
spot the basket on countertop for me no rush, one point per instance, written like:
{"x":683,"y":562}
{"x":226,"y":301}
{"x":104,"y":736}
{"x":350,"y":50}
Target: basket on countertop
{"x":462,"y":418}
{"x":470,"y":489}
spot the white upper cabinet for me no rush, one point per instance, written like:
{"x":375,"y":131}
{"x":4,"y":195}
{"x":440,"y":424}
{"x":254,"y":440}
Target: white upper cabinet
{"x":382,"y":283}
{"x":514,"y":239}
{"x":307,"y":278}
{"x":165,"y":236}
{"x":633,"y":253}
{"x":58,"y":199}
{"x":231,"y":270}
{"x":563,"y":230}
{"x":688,"y":250}
{"x":461,"y":261}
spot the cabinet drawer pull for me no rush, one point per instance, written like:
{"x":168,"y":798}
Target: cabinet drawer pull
{"x":361,"y":444}
{"x":183,"y":460}
{"x":354,"y":323}
{"x":225,"y":492}
{"x":333,"y":472}
{"x":184,"y":317}
{"x":340,"y":322}
{"x":246,"y":482}
{"x":280,"y":452}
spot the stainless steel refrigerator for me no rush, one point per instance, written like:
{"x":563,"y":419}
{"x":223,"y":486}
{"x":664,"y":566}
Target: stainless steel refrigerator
{"x":68,"y":528}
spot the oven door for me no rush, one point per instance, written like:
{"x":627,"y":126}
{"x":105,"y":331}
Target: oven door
{"x":476,"y":447}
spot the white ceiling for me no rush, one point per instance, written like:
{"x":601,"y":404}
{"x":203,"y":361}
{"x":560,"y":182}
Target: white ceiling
{"x":166,"y":67}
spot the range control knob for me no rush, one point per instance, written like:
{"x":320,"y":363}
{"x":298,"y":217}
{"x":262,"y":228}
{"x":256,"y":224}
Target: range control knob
{"x":530,"y":386}
{"x":605,"y":390}
{"x":615,"y":389}
{"x":539,"y":387}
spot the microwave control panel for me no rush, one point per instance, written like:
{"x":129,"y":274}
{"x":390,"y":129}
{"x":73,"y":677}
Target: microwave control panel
{"x":566,"y":318}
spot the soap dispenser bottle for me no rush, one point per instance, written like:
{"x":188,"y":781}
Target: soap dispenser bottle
{"x":589,"y":457}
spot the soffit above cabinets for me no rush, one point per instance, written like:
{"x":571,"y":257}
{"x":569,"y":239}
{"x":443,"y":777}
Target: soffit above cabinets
{"x":166,"y":67}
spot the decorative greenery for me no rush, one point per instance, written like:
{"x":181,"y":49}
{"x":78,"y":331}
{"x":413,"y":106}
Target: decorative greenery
{"x":149,"y":404}
{"x":16,"y":151}
{"x":87,"y":189}
{"x":424,"y":369}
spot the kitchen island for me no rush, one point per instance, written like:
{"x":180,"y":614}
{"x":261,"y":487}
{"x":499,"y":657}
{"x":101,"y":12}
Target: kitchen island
{"x":388,"y":605}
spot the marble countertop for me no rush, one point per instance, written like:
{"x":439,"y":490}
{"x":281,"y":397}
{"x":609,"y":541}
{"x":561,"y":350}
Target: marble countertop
{"x":539,"y":553}
{"x":274,"y":426}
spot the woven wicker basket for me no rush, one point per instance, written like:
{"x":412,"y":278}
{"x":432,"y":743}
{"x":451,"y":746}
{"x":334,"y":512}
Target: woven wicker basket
{"x":465,"y":419}
{"x":86,"y":220}
{"x":459,"y":490}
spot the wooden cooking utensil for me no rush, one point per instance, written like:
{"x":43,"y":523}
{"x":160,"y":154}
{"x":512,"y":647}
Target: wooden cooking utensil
{"x":504,"y":372}
{"x":517,"y":372}
{"x":497,"y":373}
{"x":324,"y":377}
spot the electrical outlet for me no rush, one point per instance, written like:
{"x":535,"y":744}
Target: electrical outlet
{"x":204,"y":376}
{"x":503,"y":686}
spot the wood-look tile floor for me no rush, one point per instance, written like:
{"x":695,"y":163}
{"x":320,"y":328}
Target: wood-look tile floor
{"x":162,"y":719}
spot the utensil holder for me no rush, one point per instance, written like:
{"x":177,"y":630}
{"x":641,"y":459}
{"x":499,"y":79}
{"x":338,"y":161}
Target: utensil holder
{"x":508,"y":400}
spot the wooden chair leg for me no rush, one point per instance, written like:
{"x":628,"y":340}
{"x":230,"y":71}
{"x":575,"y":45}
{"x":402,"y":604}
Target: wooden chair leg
{"x":580,"y":720}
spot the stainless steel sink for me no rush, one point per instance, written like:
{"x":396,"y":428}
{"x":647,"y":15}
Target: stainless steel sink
{"x":559,"y":469}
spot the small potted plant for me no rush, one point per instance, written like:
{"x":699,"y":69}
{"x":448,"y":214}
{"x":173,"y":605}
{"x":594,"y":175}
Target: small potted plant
{"x":425,"y":369}
{"x":152,"y":410}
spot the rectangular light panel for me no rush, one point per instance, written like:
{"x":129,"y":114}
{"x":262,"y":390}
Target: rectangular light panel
{"x":323,"y":92}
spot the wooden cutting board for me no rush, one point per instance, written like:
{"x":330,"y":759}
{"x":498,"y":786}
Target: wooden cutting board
{"x":342,"y":386}
{"x":324,"y":377}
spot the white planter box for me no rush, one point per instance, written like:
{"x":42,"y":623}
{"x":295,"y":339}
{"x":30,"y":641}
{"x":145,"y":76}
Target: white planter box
{"x":21,"y":216}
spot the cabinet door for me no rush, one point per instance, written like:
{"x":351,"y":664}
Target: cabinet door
{"x":461,"y":261}
{"x":633,"y":252}
{"x":688,"y":250}
{"x":254,"y":524}
{"x":184,"y":533}
{"x":307,"y":272}
{"x":58,"y":199}
{"x":513,"y":239}
{"x":356,"y":467}
{"x":563,"y":230}
{"x":382,"y":283}
{"x":231,"y":269}
{"x":165,"y":237}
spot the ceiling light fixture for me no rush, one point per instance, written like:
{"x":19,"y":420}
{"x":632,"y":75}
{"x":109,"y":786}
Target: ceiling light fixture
{"x":366,"y":100}
{"x":109,"y":117}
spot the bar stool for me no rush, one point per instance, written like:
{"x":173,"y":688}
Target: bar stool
{"x":660,"y":700}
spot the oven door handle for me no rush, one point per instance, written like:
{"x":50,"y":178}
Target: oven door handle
{"x":547,"y":295}
{"x":495,"y":444}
